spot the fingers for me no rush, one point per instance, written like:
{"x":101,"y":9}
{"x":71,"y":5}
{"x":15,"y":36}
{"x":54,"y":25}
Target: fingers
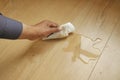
{"x":53,"y":27}
{"x":52,"y":30}
{"x":46,"y":27}
{"x":51,"y":24}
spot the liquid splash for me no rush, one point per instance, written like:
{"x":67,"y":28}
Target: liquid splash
{"x":82,"y":47}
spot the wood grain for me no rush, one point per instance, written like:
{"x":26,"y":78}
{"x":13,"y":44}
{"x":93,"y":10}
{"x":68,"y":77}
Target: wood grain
{"x":107,"y":67}
{"x":47,"y":60}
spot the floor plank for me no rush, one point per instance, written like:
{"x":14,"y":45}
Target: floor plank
{"x":26,"y":60}
{"x":107,"y":67}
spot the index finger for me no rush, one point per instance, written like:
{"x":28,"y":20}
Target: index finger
{"x":52,"y":24}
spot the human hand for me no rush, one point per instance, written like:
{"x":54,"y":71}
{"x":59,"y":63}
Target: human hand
{"x":39,"y":30}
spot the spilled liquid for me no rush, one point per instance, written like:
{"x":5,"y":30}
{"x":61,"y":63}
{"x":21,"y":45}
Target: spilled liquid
{"x":82,"y":47}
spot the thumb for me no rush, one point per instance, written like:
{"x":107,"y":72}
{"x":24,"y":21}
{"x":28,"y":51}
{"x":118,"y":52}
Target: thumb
{"x":53,"y":30}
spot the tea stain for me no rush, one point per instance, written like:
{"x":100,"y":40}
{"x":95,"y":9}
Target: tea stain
{"x":82,"y":47}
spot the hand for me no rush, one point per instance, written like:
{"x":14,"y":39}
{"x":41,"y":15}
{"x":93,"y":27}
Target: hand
{"x":40,"y":30}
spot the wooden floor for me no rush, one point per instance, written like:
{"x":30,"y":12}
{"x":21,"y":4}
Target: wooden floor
{"x":46,"y":60}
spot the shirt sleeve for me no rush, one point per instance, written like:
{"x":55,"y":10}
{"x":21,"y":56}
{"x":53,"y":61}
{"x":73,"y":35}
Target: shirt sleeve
{"x":9,"y":28}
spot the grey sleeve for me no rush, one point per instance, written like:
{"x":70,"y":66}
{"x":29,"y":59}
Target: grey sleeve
{"x":9,"y":28}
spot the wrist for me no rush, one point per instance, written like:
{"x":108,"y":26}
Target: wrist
{"x":28,"y":32}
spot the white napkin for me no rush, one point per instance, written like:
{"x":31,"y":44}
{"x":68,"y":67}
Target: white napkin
{"x":65,"y":30}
